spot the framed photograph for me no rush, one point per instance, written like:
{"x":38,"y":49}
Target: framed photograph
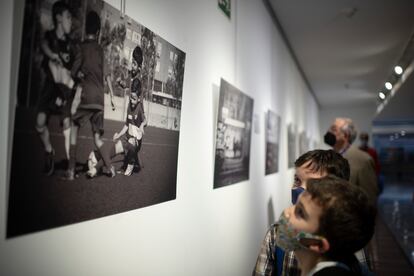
{"x":97,"y":117}
{"x":272,"y":142}
{"x":234,"y":124}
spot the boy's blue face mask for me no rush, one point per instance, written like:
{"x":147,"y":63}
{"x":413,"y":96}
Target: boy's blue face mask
{"x":295,"y":194}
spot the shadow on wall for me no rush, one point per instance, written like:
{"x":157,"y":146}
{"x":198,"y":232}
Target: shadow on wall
{"x":270,"y":212}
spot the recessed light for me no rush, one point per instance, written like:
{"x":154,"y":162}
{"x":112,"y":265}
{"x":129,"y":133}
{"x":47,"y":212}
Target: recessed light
{"x":388,"y":85}
{"x":398,"y":70}
{"x":381,"y":95}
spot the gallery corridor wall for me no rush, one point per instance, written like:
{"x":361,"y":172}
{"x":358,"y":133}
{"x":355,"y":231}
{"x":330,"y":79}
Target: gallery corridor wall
{"x":204,"y":231}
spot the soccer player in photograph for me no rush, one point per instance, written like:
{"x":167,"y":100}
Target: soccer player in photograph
{"x":89,"y":61}
{"x":56,"y":98}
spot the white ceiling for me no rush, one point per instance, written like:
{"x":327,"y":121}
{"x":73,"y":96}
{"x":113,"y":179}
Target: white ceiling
{"x":346,"y":49}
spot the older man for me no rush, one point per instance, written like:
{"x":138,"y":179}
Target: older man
{"x":340,"y":136}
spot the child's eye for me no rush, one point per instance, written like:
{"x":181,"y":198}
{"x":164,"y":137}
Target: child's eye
{"x":299,"y":212}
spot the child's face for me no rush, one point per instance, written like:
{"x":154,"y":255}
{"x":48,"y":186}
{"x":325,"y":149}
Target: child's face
{"x":305,"y":214}
{"x":303,"y":174}
{"x":134,"y":100}
{"x":134,"y":67}
{"x":65,"y":19}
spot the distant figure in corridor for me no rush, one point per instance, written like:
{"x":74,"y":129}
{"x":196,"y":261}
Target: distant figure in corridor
{"x":364,"y":146}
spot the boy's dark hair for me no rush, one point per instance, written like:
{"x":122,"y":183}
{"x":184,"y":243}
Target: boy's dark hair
{"x":327,"y":161}
{"x":137,"y":55}
{"x":347,"y":220}
{"x":57,"y":9}
{"x":93,"y":23}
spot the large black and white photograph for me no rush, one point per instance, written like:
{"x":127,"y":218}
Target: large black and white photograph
{"x":292,"y":148}
{"x":97,"y":117}
{"x":234,"y":124}
{"x":272,"y":142}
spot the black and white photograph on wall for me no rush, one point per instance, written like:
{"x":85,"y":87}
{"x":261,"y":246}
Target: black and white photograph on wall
{"x":272,"y":142}
{"x":234,"y":124}
{"x":303,"y":143}
{"x":97,"y":117}
{"x":292,"y":155}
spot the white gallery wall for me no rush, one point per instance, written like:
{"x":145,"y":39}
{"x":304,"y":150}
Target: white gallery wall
{"x":204,"y":231}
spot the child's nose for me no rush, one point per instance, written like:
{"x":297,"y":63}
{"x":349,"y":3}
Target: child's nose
{"x":288,"y":211}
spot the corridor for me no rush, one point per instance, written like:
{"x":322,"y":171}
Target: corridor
{"x":393,"y":244}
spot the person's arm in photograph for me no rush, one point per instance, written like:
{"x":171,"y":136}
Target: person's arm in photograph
{"x":144,"y":118}
{"x":118,"y":135}
{"x":47,"y":51}
{"x":111,"y":90}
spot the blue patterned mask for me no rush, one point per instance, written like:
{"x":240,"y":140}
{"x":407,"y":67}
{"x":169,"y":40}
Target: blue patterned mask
{"x":290,"y":239}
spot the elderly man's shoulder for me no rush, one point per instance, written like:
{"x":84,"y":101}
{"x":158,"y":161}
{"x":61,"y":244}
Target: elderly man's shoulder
{"x":355,"y":153}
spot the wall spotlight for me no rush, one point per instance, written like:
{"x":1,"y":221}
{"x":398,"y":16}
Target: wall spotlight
{"x":381,"y":95}
{"x":398,"y":70}
{"x":388,"y":85}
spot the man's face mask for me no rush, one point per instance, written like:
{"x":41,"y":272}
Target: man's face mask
{"x":295,"y":194}
{"x":290,"y":239}
{"x":329,"y":138}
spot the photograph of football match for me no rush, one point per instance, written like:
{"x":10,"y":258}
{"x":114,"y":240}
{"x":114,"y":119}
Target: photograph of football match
{"x":97,"y":118}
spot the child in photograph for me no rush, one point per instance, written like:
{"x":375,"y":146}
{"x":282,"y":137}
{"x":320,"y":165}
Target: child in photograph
{"x":135,"y":87}
{"x":89,"y":61}
{"x":127,"y":141}
{"x":56,"y":98}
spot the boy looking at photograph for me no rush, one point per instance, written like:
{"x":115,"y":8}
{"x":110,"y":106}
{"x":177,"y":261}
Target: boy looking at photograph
{"x":313,"y":164}
{"x":329,"y":223}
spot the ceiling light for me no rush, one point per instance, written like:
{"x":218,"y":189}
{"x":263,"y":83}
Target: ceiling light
{"x":381,"y":95}
{"x":388,"y":85}
{"x":398,"y":70}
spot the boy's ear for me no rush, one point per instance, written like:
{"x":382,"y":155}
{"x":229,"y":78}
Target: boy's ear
{"x":322,"y":247}
{"x":319,"y":246}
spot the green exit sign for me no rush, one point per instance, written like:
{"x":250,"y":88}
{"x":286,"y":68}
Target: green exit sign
{"x":225,"y":6}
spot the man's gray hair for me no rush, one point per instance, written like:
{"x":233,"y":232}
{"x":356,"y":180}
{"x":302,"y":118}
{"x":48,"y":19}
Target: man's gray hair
{"x":350,"y":129}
